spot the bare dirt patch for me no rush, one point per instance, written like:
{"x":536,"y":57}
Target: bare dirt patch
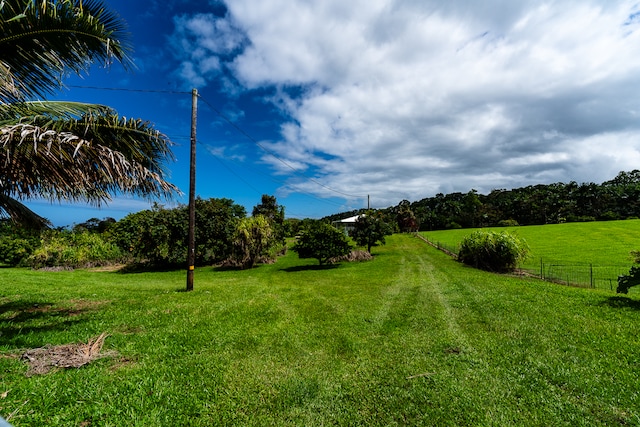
{"x":108,"y":268}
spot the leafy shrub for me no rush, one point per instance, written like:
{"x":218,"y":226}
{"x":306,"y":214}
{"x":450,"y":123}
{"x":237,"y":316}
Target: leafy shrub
{"x":321,"y":241}
{"x":508,"y":223}
{"x":629,"y":280}
{"x":609,"y":216}
{"x":16,"y":243}
{"x":493,"y":251}
{"x":159,"y":236}
{"x":74,"y":249}
{"x":252,"y":242}
{"x":582,"y":218}
{"x":15,"y":251}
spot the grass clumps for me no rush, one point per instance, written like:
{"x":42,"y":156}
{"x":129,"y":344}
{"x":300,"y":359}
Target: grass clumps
{"x":493,"y":251}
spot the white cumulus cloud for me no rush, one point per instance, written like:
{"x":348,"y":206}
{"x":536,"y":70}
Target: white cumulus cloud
{"x":404,"y":99}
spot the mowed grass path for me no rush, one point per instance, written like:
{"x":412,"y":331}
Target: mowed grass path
{"x":411,"y":338}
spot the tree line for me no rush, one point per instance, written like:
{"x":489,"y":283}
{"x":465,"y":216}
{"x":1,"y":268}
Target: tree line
{"x":618,"y":198}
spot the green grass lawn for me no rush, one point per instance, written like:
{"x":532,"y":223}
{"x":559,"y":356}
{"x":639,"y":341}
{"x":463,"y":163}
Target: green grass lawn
{"x":411,"y":338}
{"x":601,"y":242}
{"x":585,"y":253}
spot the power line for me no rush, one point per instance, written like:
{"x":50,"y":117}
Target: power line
{"x":122,"y":89}
{"x":239,"y":129}
{"x":287,"y":184}
{"x":272,"y":154}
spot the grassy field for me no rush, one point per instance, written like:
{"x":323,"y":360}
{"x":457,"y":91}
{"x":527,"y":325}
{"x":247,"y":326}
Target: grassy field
{"x":411,"y":338}
{"x":602,"y":242}
{"x":579,"y":249}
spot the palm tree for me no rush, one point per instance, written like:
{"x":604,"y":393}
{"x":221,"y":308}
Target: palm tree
{"x":62,"y":150}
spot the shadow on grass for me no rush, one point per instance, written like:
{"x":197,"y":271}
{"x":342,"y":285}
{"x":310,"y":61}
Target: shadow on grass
{"x":311,"y":267}
{"x":622,"y":302}
{"x":148,"y":268}
{"x":20,"y":320}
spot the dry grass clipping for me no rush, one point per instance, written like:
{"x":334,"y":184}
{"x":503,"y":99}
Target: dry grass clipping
{"x":43,"y":360}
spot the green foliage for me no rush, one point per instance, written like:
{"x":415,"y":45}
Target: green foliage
{"x":74,"y":249}
{"x":252,"y":241}
{"x":90,"y":152}
{"x":369,"y":230}
{"x":492,"y":251}
{"x":632,"y":279}
{"x":531,"y":205}
{"x":159,"y":236}
{"x":95,"y":225}
{"x":629,"y":280}
{"x":508,"y":223}
{"x":597,"y":243}
{"x":16,"y":243}
{"x":321,"y":241}
{"x":269,"y":208}
{"x":405,"y":217}
{"x":411,"y":339}
{"x":15,"y":250}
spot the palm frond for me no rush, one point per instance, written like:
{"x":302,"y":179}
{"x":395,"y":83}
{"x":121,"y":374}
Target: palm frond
{"x":63,"y":165}
{"x":20,"y":214}
{"x":28,"y":112}
{"x":42,"y":40}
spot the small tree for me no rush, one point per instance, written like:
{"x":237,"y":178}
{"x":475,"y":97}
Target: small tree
{"x":322,"y":241}
{"x":274,"y":213}
{"x":407,"y":221}
{"x":370,"y":230}
{"x":492,"y":251}
{"x":632,"y":279}
{"x":253,"y":239}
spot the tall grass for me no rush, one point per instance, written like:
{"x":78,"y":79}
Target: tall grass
{"x":410,"y":338}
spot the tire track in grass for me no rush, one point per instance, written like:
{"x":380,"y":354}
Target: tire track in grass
{"x":415,"y":305}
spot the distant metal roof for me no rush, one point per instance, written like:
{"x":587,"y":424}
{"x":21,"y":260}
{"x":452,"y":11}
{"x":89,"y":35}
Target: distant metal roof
{"x":349,"y":220}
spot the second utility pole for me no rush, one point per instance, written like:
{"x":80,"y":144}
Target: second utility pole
{"x":191,"y":254}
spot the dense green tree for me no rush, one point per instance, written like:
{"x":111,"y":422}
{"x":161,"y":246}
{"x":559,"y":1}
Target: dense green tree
{"x":95,"y":225}
{"x":16,"y":243}
{"x":159,"y":235}
{"x":534,"y":204}
{"x":405,"y":217}
{"x":66,"y":150}
{"x":321,"y":241}
{"x":370,"y":230}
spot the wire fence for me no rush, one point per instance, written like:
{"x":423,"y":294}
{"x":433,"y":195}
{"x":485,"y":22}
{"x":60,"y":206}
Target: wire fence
{"x":584,"y":275}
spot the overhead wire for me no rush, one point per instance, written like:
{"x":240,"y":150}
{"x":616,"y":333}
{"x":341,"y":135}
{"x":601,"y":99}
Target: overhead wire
{"x":123,"y":89}
{"x":241,"y":131}
{"x":287,"y":184}
{"x":275,"y":156}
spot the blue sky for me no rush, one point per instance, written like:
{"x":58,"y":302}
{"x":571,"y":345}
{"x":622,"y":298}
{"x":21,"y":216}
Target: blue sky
{"x":331,"y":101}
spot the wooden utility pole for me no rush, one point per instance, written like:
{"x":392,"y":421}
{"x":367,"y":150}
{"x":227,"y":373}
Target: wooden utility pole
{"x":191,"y":255}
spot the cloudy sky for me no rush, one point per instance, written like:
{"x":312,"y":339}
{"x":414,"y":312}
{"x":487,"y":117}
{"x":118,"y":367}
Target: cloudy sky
{"x":322,"y":103}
